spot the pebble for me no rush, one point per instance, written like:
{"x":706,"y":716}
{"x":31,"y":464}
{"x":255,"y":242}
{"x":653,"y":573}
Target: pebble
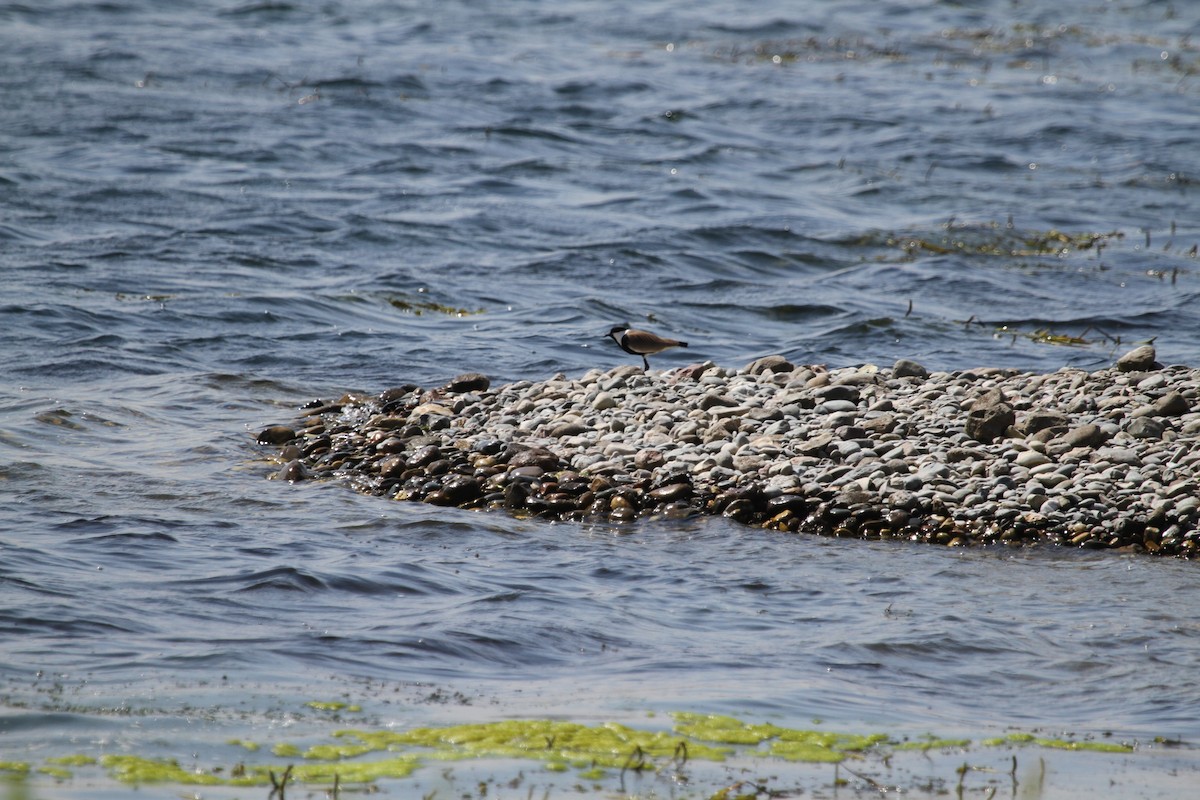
{"x":1103,"y":459}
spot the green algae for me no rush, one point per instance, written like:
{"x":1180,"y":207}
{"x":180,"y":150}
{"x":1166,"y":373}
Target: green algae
{"x":336,"y":752}
{"x":595,"y":752}
{"x":787,"y":743}
{"x":1057,"y":744}
{"x":138,"y":770}
{"x":253,"y":747}
{"x":607,"y":745}
{"x":362,"y":772}
{"x":932,"y":742}
{"x":419,"y":307}
{"x":77,"y":760}
{"x":57,"y":767}
{"x":334,"y":705}
{"x":997,"y":240}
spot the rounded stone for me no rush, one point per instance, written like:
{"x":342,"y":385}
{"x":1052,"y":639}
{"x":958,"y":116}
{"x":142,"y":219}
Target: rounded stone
{"x":276,"y":434}
{"x":907,"y":368}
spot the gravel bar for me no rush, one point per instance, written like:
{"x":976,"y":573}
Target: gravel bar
{"x":1104,"y":459}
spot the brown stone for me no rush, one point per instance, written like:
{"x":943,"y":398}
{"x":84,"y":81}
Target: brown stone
{"x":276,"y":434}
{"x":468,"y":382}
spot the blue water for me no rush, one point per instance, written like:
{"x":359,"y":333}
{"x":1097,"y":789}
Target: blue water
{"x":212,"y":214}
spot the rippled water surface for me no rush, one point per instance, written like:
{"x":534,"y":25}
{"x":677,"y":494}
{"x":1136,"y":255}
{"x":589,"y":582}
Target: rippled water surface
{"x":212,"y":214}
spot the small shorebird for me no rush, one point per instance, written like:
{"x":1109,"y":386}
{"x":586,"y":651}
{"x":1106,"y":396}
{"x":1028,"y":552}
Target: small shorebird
{"x":641,"y":343}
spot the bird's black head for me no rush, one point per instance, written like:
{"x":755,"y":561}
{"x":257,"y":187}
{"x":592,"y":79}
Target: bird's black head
{"x":617,"y":329}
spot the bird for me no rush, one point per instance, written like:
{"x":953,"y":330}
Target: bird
{"x":641,"y":343}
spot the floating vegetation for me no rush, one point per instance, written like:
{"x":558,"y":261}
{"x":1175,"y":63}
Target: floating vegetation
{"x":597,"y":753}
{"x":122,"y":297}
{"x":335,"y":705}
{"x":419,"y":307}
{"x":1001,"y":240}
{"x":1020,"y":47}
{"x":1057,"y":744}
{"x":1043,"y":336}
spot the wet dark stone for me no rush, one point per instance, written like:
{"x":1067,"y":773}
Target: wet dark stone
{"x":392,"y":466}
{"x":795,"y":503}
{"x":468,"y":382}
{"x":321,"y":408}
{"x":292,"y":471}
{"x":515,"y":495}
{"x":318,"y":445}
{"x":623,"y":514}
{"x":528,"y":472}
{"x":276,"y":434}
{"x":556,"y":504}
{"x":670,"y":493}
{"x":574,"y":485}
{"x":397,"y":393}
{"x":425,"y":456}
{"x":488,"y":447}
{"x":740,"y":509}
{"x":462,"y":490}
{"x":390,"y":445}
{"x":439,"y":467}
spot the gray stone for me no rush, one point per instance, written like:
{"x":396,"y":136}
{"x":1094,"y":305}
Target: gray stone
{"x":906,"y":368}
{"x":990,"y":416}
{"x":604,"y":401}
{"x":1140,"y":359}
{"x":1088,"y":435}
{"x":1041,"y":419}
{"x":770,"y":364}
{"x":1031,"y":458}
{"x":1146,"y":428}
{"x":836,"y":406}
{"x":1172,"y":404}
{"x":568,"y":429}
{"x":715,"y":399}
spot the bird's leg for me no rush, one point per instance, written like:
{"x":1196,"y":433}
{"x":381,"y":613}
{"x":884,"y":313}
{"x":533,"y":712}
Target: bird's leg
{"x":646,"y":364}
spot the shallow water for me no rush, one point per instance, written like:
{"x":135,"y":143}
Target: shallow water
{"x":209,"y":216}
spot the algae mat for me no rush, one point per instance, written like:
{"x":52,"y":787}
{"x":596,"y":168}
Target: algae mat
{"x":343,"y":751}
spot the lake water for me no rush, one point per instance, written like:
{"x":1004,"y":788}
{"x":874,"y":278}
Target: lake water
{"x":211,"y":214}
